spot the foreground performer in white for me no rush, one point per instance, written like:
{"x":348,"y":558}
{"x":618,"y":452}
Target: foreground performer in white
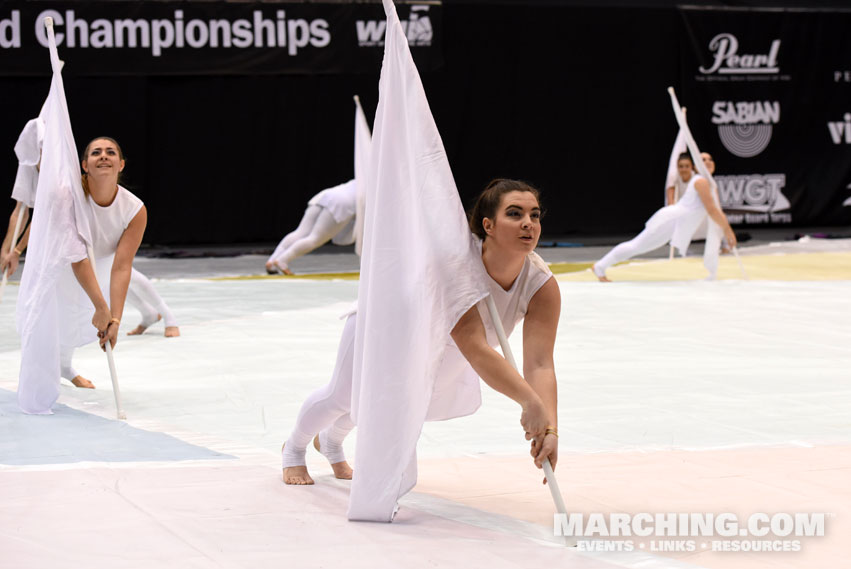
{"x":141,"y":294}
{"x":507,"y":218}
{"x":118,"y":223}
{"x":674,"y":223}
{"x":330,"y":214}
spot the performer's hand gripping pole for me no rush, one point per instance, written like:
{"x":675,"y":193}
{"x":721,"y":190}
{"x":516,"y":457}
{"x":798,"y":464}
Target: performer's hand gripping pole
{"x":20,"y":211}
{"x":509,"y":355}
{"x":119,"y":410}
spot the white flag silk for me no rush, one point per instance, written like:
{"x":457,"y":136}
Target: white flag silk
{"x":28,"y":151}
{"x":363,"y":147}
{"x":714,"y":233}
{"x":673,"y":177}
{"x":420,"y":272}
{"x":59,"y":234}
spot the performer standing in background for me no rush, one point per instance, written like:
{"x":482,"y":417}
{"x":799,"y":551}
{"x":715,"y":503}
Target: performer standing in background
{"x":674,"y":223}
{"x":507,"y":219}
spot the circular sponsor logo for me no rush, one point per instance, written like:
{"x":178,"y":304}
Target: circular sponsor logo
{"x":745,"y":140}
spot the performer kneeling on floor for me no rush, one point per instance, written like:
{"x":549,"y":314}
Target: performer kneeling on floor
{"x":507,"y":219}
{"x":674,"y":223}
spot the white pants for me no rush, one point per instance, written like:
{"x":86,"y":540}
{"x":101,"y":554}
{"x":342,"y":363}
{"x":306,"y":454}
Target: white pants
{"x":326,"y":411}
{"x":144,"y":297}
{"x":316,"y":228}
{"x":647,"y":240}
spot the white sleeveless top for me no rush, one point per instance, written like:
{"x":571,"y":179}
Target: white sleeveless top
{"x":340,"y":201}
{"x":457,"y":390}
{"x":109,"y":222}
{"x":681,"y":219}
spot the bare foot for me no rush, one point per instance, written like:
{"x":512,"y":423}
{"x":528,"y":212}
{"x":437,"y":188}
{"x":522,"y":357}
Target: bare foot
{"x":342,"y":470}
{"x":172,"y":331}
{"x":81,"y":381}
{"x":274,"y":268}
{"x":140,"y":329}
{"x":296,"y":475}
{"x":602,"y":278}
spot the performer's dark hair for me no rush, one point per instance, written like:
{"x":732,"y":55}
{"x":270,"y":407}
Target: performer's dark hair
{"x":85,"y":180}
{"x":488,"y":201}
{"x":686,"y":156}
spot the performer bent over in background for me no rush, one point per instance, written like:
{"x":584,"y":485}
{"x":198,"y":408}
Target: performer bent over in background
{"x":329,"y":214}
{"x":674,"y":223}
{"x":507,"y":219}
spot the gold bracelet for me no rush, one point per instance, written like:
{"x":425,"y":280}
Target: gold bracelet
{"x":551,"y":431}
{"x":114,"y":321}
{"x":18,"y":252}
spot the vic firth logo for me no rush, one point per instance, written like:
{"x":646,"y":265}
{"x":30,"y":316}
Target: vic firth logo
{"x":745,"y":127}
{"x":841,"y":131}
{"x":728,"y":61}
{"x":417,"y":29}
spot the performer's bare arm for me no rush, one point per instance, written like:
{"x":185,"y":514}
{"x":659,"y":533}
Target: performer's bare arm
{"x":119,"y":279}
{"x":469,"y":335}
{"x":539,"y":335}
{"x":669,"y":198}
{"x":87,"y":279}
{"x":705,"y":193}
{"x":9,"y":257}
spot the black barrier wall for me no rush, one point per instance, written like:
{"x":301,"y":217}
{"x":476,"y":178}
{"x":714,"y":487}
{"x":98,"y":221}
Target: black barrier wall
{"x":228,"y":147}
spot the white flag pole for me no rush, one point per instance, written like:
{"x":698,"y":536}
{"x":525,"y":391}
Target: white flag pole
{"x":741,"y":266}
{"x":19,"y":209}
{"x":119,"y":409}
{"x":509,"y":355}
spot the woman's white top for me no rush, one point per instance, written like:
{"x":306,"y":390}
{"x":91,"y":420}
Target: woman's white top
{"x":681,"y":219}
{"x":340,"y":201}
{"x":457,"y":391}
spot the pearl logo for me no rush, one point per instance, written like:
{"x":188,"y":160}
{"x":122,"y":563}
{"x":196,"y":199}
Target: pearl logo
{"x":728,"y":61}
{"x":745,"y":127}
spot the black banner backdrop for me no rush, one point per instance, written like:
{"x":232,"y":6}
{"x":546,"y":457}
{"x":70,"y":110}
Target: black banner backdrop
{"x":570,"y":98}
{"x":768,"y":94}
{"x":210,"y":38}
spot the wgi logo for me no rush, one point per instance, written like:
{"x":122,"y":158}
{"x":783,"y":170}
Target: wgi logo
{"x":757,"y":196}
{"x":728,"y":60}
{"x":417,"y":29}
{"x":745,"y":127}
{"x":840,"y":131}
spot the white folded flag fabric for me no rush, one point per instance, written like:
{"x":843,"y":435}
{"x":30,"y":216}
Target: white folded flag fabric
{"x":673,"y":176}
{"x":28,"y":151}
{"x":59,"y":234}
{"x":363,"y":148}
{"x":420,"y":272}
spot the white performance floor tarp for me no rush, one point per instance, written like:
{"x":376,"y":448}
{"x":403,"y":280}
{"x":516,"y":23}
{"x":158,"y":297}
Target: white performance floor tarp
{"x":192,"y":479}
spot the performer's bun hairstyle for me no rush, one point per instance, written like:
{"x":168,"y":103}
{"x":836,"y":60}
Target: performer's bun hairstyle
{"x":488,"y":201}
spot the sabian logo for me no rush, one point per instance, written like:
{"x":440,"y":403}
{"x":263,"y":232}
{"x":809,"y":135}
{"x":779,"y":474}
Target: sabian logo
{"x":728,"y":61}
{"x":745,"y":127}
{"x":840,"y":131}
{"x":417,"y":29}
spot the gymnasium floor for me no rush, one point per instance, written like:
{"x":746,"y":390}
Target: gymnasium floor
{"x":676,"y":395}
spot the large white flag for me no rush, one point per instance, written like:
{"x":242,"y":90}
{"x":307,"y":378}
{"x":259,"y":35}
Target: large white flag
{"x":420,"y":272}
{"x":363,"y":149}
{"x":59,"y":234}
